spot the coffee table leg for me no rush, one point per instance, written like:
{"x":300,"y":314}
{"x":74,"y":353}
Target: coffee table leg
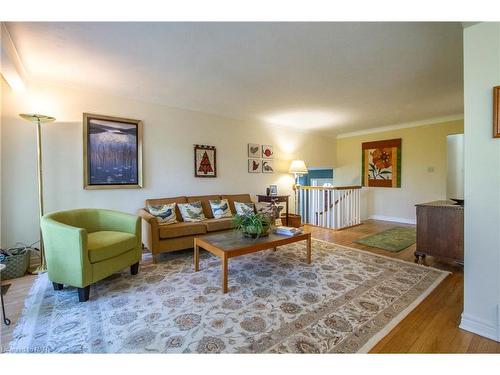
{"x":224,"y":274}
{"x":196,"y":256}
{"x":274,"y":248}
{"x":309,"y":241}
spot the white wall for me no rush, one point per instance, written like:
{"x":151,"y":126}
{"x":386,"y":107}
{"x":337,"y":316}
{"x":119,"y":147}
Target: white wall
{"x":169,"y":135}
{"x":482,"y":182}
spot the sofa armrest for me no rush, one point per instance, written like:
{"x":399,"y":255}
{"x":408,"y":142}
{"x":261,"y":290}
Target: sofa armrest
{"x":150,"y":230}
{"x":147,"y":216}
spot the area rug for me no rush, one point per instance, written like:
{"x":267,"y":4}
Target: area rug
{"x":344,"y":302}
{"x":394,"y":239}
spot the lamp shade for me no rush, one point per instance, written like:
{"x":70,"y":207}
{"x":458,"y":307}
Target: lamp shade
{"x":298,"y":167}
{"x":35,"y":117}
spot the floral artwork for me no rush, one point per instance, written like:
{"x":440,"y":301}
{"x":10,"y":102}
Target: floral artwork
{"x":254,"y":165}
{"x":205,"y":161}
{"x":381,"y":163}
{"x":267,"y":152}
{"x":112,"y":152}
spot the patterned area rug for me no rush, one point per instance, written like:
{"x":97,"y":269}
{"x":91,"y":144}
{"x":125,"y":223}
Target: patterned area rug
{"x":394,"y":239}
{"x":345,"y":301}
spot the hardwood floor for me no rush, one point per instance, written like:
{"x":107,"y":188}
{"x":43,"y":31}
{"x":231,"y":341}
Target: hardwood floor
{"x":432,"y":327}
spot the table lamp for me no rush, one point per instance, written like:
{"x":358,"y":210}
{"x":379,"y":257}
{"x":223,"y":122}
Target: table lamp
{"x":39,"y":119}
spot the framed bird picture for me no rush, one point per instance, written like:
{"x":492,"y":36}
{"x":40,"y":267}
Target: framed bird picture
{"x":254,"y":165}
{"x":267,"y":152}
{"x":267,"y":166}
{"x":253,"y":150}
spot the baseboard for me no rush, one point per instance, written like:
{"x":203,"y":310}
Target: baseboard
{"x":479,"y":327}
{"x":392,"y":218}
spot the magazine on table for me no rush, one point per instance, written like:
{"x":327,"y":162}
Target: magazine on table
{"x":287,"y":231}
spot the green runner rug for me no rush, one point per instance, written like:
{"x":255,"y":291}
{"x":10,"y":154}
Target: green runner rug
{"x":394,"y":239}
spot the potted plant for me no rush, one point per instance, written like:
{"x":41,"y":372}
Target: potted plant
{"x":253,"y":225}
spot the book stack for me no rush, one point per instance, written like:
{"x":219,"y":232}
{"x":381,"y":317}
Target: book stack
{"x":287,"y":231}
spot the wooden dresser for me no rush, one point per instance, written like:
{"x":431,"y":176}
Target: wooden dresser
{"x":440,"y":230}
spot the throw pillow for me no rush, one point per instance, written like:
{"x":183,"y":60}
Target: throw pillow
{"x":192,"y":211}
{"x":244,"y":208}
{"x":220,"y":208}
{"x":164,"y":213}
{"x":266,"y":208}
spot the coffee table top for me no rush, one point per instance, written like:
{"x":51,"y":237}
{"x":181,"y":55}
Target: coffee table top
{"x":229,"y":241}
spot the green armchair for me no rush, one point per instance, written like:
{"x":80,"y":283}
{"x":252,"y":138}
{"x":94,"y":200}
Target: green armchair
{"x":86,"y":245}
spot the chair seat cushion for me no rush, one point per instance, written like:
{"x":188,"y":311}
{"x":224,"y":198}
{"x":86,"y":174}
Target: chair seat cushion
{"x":181,"y":229}
{"x":214,"y":225}
{"x":104,"y":245}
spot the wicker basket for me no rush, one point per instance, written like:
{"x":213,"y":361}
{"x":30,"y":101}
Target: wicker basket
{"x":16,"y":265}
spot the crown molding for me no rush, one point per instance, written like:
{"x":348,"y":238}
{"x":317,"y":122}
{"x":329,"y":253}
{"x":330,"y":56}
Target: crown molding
{"x":414,"y":124}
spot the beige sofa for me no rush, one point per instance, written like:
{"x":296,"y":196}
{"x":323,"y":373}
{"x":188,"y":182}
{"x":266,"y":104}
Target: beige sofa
{"x":163,"y":238}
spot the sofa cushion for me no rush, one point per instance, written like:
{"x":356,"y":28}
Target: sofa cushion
{"x":164,"y":213}
{"x":220,"y":208}
{"x":237,"y":198}
{"x":192,"y":211}
{"x":181,"y":229}
{"x":244,"y":208}
{"x":104,"y":245}
{"x":214,"y":225}
{"x":205,"y":202}
{"x":160,"y":201}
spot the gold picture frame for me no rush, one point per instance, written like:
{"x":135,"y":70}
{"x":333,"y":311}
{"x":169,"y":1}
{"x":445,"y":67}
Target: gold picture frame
{"x":112,"y":136}
{"x":496,"y":112}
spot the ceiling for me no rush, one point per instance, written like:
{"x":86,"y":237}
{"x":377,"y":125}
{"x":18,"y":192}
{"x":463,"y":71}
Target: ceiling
{"x":332,"y":77}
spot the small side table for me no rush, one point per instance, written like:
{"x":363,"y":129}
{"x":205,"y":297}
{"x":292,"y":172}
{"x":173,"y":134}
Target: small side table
{"x":276,"y":199}
{"x":5,"y":320}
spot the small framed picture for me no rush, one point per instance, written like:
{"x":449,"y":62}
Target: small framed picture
{"x":267,"y":152}
{"x":273,"y":189}
{"x":205,"y":162}
{"x":496,"y":112}
{"x":253,"y":150}
{"x":267,"y":166}
{"x":254,"y":165}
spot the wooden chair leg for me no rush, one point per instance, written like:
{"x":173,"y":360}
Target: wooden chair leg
{"x":83,"y":294}
{"x":57,"y":286}
{"x":134,"y":268}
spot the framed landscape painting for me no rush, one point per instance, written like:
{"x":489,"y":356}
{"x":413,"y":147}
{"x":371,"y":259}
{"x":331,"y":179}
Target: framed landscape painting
{"x":112,"y":152}
{"x":205,"y":161}
{"x":381,"y":163}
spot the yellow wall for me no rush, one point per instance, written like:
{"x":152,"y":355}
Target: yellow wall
{"x":423,"y":174}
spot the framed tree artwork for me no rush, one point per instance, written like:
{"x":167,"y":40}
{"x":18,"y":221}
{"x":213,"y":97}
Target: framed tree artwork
{"x":112,"y":152}
{"x":205,"y":161}
{"x":496,"y":112}
{"x":381,"y":163}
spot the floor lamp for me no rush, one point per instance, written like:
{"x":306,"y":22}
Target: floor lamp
{"x":298,"y":168}
{"x":39,"y":120}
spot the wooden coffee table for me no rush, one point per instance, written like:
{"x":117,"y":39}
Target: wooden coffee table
{"x":232,"y":244}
